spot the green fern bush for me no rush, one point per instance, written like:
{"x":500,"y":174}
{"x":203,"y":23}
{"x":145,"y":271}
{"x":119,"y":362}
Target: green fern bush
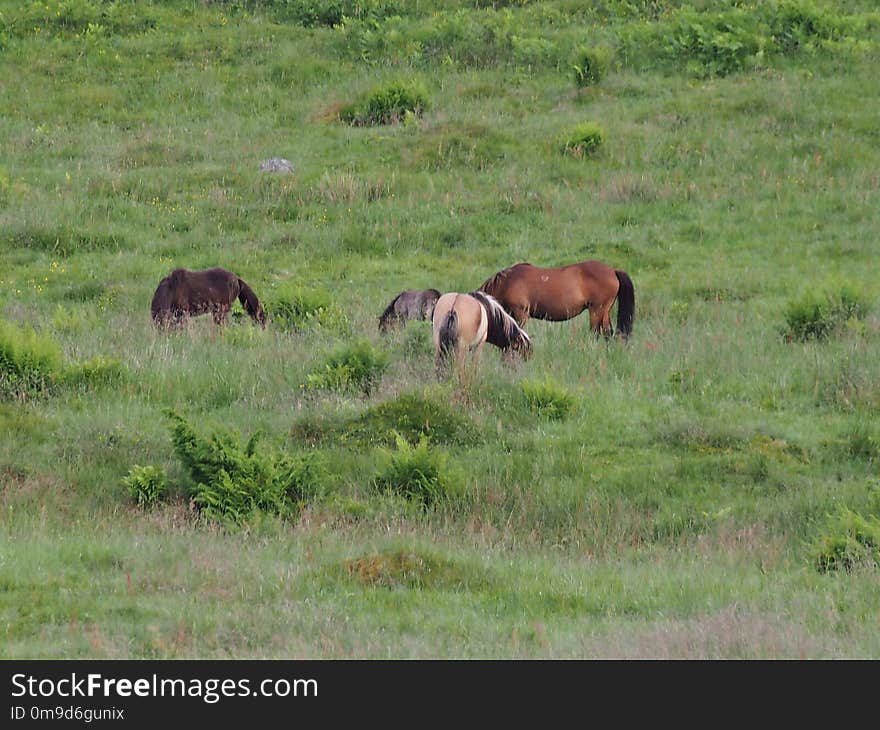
{"x":147,"y":485}
{"x":234,"y":480}
{"x":418,"y":473}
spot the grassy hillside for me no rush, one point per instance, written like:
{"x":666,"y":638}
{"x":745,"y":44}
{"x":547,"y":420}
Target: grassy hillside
{"x":709,"y":489}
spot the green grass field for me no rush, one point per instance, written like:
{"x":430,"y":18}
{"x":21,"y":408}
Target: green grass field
{"x":709,"y":489}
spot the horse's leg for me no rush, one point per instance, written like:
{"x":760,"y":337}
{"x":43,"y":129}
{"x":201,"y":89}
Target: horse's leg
{"x":607,"y":329}
{"x":478,"y":351}
{"x":221,"y":314}
{"x":461,"y":353}
{"x":441,"y":362}
{"x":596,"y":319}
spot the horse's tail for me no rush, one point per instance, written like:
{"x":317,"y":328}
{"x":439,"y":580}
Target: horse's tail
{"x":388,"y":316}
{"x":626,"y":304}
{"x":447,"y":335}
{"x":250,"y":302}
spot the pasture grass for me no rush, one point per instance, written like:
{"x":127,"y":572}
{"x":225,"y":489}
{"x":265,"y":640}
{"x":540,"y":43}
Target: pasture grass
{"x":672,"y":497}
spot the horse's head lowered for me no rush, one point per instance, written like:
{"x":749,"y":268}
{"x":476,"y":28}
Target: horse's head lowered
{"x":503,"y":331}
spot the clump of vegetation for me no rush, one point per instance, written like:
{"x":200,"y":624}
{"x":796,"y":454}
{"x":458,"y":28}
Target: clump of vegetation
{"x":94,"y":372}
{"x":234,"y":480}
{"x":590,"y":65}
{"x":862,"y":442}
{"x":406,"y":568}
{"x":708,"y":43}
{"x":414,"y":416}
{"x":297,"y":308}
{"x":29,"y":362}
{"x":475,"y":146}
{"x":582,"y":141}
{"x":328,"y":13}
{"x":548,"y":399}
{"x":816,"y":316}
{"x":417,"y":473}
{"x":147,"y":485}
{"x":851,"y":541}
{"x":354,"y":367}
{"x":387,"y":104}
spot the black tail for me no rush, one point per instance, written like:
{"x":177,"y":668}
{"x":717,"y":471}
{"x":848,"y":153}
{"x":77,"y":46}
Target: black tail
{"x":250,"y":302}
{"x":626,"y":304}
{"x":389,"y":316}
{"x":448,"y":334}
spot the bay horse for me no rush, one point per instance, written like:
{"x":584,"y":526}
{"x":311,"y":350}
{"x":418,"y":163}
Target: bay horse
{"x":560,"y":293}
{"x":185,"y":293}
{"x":463,"y":323}
{"x":409,"y":304}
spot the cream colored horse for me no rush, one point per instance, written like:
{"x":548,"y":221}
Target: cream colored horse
{"x":463,"y":323}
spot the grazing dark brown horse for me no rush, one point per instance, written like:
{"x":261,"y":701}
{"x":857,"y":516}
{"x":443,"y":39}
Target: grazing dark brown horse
{"x":409,"y":304}
{"x":464,"y":322}
{"x":563,"y":292}
{"x":185,"y":293}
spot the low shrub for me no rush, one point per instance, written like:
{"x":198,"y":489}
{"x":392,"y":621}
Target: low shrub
{"x":147,"y":485}
{"x":548,"y":399}
{"x":232,"y":480}
{"x":417,"y":473}
{"x":387,"y":104}
{"x":354,"y":367}
{"x":851,"y":541}
{"x":582,"y":141}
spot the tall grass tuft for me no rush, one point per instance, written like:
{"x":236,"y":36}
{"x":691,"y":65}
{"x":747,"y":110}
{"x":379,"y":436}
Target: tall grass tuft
{"x":851,"y":541}
{"x":584,"y":140}
{"x":354,"y":367}
{"x":589,"y":65}
{"x":547,"y":398}
{"x":387,"y":104}
{"x":29,"y":362}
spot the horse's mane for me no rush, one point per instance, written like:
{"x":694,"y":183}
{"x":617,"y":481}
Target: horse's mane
{"x":389,"y":310}
{"x":503,"y":331}
{"x":493,"y":281}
